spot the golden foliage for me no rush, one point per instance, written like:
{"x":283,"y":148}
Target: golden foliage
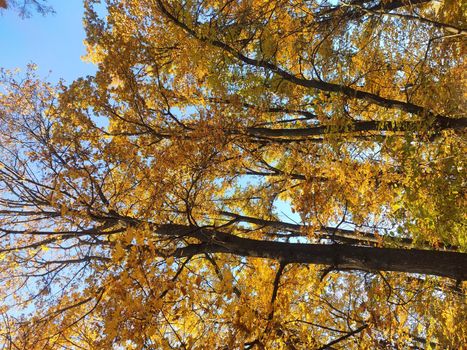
{"x":145,"y":207}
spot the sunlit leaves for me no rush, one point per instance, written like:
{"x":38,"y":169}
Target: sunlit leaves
{"x":205,"y":124}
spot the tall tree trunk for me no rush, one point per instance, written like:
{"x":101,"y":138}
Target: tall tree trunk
{"x":338,"y":256}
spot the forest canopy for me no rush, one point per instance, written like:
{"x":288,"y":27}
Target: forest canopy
{"x":241,"y":174}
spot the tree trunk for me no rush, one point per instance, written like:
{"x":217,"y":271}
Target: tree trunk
{"x":440,"y":123}
{"x":338,"y":256}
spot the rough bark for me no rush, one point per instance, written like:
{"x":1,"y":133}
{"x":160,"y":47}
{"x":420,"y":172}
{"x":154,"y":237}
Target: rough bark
{"x":338,"y":256}
{"x":440,"y":123}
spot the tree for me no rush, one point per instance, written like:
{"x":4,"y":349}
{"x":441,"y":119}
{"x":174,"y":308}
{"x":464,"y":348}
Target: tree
{"x":141,"y":207}
{"x":24,"y":7}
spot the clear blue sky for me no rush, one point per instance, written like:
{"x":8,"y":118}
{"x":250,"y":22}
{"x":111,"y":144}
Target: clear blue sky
{"x":53,"y":42}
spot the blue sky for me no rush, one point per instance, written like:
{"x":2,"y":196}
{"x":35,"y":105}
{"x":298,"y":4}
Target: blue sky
{"x":53,"y":42}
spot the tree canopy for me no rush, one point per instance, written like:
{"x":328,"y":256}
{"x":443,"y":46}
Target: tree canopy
{"x":145,"y":207}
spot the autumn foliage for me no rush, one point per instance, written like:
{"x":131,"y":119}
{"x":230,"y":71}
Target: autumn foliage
{"x":242,"y":174}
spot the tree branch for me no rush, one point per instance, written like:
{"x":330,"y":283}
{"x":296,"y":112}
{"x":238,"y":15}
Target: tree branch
{"x":309,"y":83}
{"x":348,"y":335}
